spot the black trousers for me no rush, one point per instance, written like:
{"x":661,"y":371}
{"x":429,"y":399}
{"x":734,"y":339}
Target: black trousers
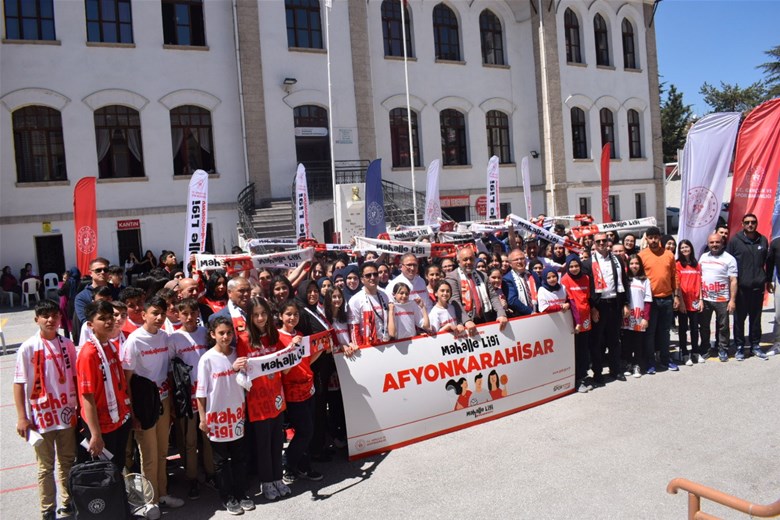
{"x":606,"y":335}
{"x":749,"y":303}
{"x":115,"y":442}
{"x":686,"y":319}
{"x":230,"y":468}
{"x":301,"y":417}
{"x":269,"y":440}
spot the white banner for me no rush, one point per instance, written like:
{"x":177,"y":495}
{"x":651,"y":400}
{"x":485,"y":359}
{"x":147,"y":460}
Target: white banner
{"x":285,"y":358}
{"x":411,"y":233}
{"x":272,"y":242}
{"x":302,"y":227}
{"x":704,"y":168}
{"x":493,"y":204}
{"x":526,"y":175}
{"x":234,"y":263}
{"x":544,"y":234}
{"x":397,"y":394}
{"x":393,"y":247}
{"x":432,"y":203}
{"x":197,"y":216}
{"x":621,"y":225}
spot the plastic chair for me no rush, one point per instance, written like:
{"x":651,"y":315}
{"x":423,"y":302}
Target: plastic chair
{"x":51,"y":282}
{"x":9,"y":296}
{"x":2,"y":336}
{"x":30,"y":288}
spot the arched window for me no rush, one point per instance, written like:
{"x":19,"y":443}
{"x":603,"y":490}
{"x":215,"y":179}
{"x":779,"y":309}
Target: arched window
{"x":634,"y":135}
{"x":446,"y":38}
{"x":304,"y":29}
{"x":40,"y":151}
{"x":453,"y":138}
{"x":608,"y":130}
{"x":579,"y":138}
{"x":399,"y":138}
{"x":602,"y":40}
{"x":391,"y":29}
{"x":193,"y":143}
{"x":119,"y":150}
{"x":572,"y":29}
{"x":492,"y":38}
{"x":497,"y":124}
{"x":629,"y":48}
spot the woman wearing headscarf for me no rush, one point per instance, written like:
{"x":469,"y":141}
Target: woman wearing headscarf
{"x":577,"y":285}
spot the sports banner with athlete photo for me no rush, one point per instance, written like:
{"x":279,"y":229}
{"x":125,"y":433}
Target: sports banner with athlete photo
{"x":400,"y":393}
{"x":302,"y":227}
{"x":432,"y":203}
{"x":197,"y":216}
{"x":704,"y":168}
{"x":756,"y":168}
{"x":493,"y":207}
{"x":85,"y":222}
{"x":622,"y":225}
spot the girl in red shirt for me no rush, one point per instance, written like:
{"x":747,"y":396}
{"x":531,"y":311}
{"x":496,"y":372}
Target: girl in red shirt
{"x":577,"y":285}
{"x":688,"y":272}
{"x":298,"y":384}
{"x":265,"y":401}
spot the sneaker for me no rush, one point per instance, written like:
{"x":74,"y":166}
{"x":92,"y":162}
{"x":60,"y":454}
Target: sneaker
{"x":773,"y":351}
{"x":688,"y":361}
{"x":51,"y":514}
{"x":282,"y":488}
{"x":194,"y":492}
{"x":637,"y":371}
{"x":723,"y":356}
{"x":582,"y":388}
{"x":312,"y":475}
{"x":289,"y":477}
{"x":66,"y":511}
{"x":152,"y":512}
{"x":629,"y":370}
{"x":171,"y":501}
{"x":269,"y":491}
{"x":620,"y":377}
{"x":650,"y":371}
{"x":233,"y":507}
{"x":740,"y":355}
{"x":246,"y":504}
{"x":211,"y":481}
{"x":700,"y":359}
{"x":671,"y":366}
{"x":759,"y":353}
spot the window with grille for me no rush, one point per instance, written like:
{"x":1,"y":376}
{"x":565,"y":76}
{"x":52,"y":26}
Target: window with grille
{"x":109,"y":21}
{"x":193,"y":144}
{"x":29,"y":19}
{"x":119,"y":148}
{"x":38,"y":143}
{"x":492,"y":38}
{"x":392,"y":28}
{"x":446,"y":37}
{"x":304,"y":29}
{"x":183,"y":22}
{"x":453,"y":137}
{"x":399,"y":137}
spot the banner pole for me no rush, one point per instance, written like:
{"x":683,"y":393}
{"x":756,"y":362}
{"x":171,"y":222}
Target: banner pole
{"x":336,"y":215}
{"x":408,"y":111}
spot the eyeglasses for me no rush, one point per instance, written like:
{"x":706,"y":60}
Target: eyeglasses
{"x":99,"y":270}
{"x":410,"y":265}
{"x":370,"y":275}
{"x":600,"y":241}
{"x":750,"y":222}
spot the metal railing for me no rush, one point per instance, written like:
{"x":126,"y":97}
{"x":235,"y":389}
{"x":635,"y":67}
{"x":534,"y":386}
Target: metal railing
{"x":246,"y":208}
{"x":698,"y":491}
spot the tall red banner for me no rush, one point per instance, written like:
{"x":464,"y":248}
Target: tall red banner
{"x":757,"y":168}
{"x":605,"y":152}
{"x":85,"y":218}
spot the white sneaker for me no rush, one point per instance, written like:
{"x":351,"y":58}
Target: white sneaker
{"x":269,"y":491}
{"x":700,"y":359}
{"x":283,"y":489}
{"x":688,"y":361}
{"x":152,"y":512}
{"x":171,"y":501}
{"x":637,"y":372}
{"x":773,"y":351}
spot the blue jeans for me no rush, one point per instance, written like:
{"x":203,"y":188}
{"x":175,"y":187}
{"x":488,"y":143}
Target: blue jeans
{"x":657,"y":334}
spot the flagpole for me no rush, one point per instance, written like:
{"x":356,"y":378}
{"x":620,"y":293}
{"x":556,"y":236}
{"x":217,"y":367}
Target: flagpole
{"x":408,"y":109}
{"x":336,"y":216}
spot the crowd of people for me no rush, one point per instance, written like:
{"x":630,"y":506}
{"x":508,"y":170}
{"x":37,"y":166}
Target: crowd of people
{"x":154,"y":361}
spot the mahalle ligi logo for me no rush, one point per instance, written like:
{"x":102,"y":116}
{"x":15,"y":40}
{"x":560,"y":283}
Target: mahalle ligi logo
{"x":702,"y":207}
{"x":376,"y":214}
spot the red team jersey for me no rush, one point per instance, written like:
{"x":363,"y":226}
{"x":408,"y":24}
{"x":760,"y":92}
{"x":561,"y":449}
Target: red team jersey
{"x":89,"y":372}
{"x":299,"y":381}
{"x":265,"y":400}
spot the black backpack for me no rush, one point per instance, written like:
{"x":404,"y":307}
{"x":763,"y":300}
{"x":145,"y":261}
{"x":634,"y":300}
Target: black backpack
{"x":97,"y":490}
{"x":182,"y":388}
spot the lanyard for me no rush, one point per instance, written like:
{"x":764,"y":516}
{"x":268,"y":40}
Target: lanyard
{"x":60,"y":370}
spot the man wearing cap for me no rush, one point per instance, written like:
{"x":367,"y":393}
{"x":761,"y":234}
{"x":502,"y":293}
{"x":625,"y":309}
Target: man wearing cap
{"x":751,"y":249}
{"x":659,"y":266}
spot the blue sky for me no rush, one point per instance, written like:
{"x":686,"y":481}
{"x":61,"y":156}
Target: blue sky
{"x":714,"y":41}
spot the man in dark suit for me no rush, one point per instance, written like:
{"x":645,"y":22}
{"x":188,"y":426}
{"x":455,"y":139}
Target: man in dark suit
{"x":476,"y":298}
{"x":517,"y":285}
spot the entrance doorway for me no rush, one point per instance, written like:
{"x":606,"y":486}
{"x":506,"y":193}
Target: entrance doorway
{"x":50,"y":255}
{"x":129,"y":241}
{"x":312,"y":147}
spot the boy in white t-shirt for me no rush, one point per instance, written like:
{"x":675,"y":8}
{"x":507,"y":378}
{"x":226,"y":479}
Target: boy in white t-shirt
{"x":147,"y":353}
{"x":45,"y":399}
{"x":189,"y":343}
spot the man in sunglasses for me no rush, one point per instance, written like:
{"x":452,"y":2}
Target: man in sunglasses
{"x":98,"y":271}
{"x":369,"y":309}
{"x":410,"y":276}
{"x":751,"y":249}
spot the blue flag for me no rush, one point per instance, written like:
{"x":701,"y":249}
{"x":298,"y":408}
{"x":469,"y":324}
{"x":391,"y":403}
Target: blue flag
{"x":375,"y":201}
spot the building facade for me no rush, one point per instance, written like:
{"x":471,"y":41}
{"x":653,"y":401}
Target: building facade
{"x":139,"y":93}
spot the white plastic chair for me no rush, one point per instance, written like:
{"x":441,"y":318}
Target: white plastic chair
{"x":30,"y":288}
{"x":51,"y":282}
{"x":9,"y":296}
{"x":2,"y":336}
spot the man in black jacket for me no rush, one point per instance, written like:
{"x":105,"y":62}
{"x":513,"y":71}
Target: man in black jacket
{"x":772,"y":269}
{"x":750,"y":248}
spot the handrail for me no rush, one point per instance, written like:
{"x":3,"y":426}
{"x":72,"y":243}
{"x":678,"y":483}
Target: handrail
{"x":698,"y":491}
{"x":246,"y":208}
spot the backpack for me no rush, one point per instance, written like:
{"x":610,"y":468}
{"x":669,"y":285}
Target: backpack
{"x":97,"y":490}
{"x":182,"y":388}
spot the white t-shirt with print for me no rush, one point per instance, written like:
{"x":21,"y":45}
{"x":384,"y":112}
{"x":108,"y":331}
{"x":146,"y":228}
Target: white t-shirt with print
{"x":715,"y":273}
{"x":225,"y":407}
{"x":439,"y":317}
{"x":149,"y":355}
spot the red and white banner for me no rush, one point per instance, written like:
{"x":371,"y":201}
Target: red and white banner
{"x":622,"y":225}
{"x":284,"y":359}
{"x":757,"y":168}
{"x":542,"y":233}
{"x":493,"y":204}
{"x":605,"y":153}
{"x":197,"y":214}
{"x":237,"y":263}
{"x":704,"y":167}
{"x":398,"y":247}
{"x":402,"y":393}
{"x":302,"y":227}
{"x":525,"y":173}
{"x":85,"y":222}
{"x":412,"y":232}
{"x":432,"y":203}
